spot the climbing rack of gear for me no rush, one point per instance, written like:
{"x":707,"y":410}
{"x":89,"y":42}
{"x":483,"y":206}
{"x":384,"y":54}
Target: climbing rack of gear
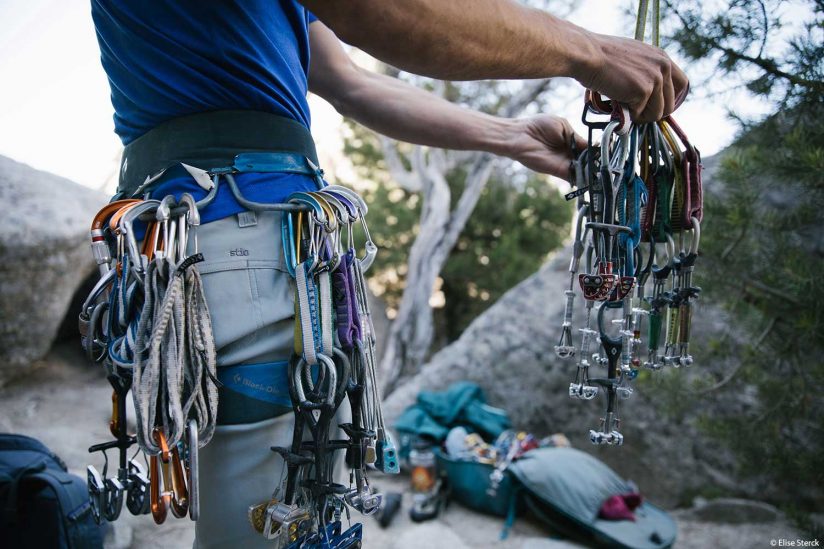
{"x":334,"y":358}
{"x":146,"y":321}
{"x":640,"y":207}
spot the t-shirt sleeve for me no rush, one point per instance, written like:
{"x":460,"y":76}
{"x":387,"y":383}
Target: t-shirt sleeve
{"x":310,"y":17}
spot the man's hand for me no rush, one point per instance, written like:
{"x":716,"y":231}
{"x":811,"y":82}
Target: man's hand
{"x":543,"y":143}
{"x":638,"y":75}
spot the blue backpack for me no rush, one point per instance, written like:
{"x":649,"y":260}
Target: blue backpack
{"x":41,"y":504}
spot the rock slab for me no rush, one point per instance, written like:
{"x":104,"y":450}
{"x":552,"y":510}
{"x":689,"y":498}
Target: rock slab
{"x":44,"y":258}
{"x":736,"y":511}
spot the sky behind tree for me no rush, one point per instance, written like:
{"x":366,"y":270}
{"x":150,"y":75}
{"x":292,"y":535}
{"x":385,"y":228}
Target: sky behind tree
{"x":56,"y":115}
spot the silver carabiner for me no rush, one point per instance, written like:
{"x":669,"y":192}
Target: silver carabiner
{"x":193,"y":468}
{"x":329,"y":364}
{"x":163,"y":215}
{"x":126,"y":227}
{"x":363,"y":209}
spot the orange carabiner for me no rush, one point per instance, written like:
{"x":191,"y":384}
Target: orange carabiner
{"x":108,"y":210}
{"x":150,"y":239}
{"x":114,"y":220}
{"x":180,"y":493}
{"x":161,"y":500}
{"x":597,"y":102}
{"x":159,"y":503}
{"x":115,"y":416}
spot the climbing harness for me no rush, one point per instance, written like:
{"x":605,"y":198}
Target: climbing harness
{"x":147,"y":322}
{"x":638,"y":192}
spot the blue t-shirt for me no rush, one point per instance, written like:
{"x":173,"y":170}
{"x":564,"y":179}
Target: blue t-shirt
{"x":170,"y":58}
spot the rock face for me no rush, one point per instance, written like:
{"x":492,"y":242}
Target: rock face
{"x":44,"y":258}
{"x":736,"y":511}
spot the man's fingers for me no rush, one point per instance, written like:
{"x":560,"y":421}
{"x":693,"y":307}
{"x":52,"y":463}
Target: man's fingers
{"x":567,"y":136}
{"x":570,"y":135}
{"x":636,"y":111}
{"x":654,"y":109}
{"x":681,"y":85}
{"x":580,"y":143}
{"x":668,"y":93}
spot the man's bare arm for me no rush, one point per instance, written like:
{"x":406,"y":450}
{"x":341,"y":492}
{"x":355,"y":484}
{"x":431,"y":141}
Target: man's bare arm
{"x":401,"y":111}
{"x":477,"y":39}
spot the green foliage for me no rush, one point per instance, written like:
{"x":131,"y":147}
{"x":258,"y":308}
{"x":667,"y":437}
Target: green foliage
{"x":762,"y":250}
{"x":748,"y":42}
{"x":764,"y":264}
{"x":506,"y":239}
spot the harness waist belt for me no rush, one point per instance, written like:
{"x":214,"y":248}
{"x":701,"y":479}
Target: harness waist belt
{"x":249,"y":393}
{"x":211,"y":140}
{"x":267,"y":382}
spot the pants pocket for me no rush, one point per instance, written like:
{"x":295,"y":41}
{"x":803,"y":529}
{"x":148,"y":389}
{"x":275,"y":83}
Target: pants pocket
{"x":250,"y":295}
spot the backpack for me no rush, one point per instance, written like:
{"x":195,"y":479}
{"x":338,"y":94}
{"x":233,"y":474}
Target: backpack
{"x":41,"y":504}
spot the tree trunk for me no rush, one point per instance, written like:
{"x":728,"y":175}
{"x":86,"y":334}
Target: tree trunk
{"x":411,"y":334}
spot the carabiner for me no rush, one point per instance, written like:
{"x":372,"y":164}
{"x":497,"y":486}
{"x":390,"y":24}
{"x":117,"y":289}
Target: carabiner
{"x":192,"y":220}
{"x":363,"y":209}
{"x":163,"y":216}
{"x":193,"y":468}
{"x":126,"y":228}
{"x":303,"y":369}
{"x":695,"y":238}
{"x":161,"y":500}
{"x":180,"y":494}
{"x":100,"y":248}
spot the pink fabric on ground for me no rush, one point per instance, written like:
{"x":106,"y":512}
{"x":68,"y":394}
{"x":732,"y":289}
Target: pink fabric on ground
{"x":620,"y":507}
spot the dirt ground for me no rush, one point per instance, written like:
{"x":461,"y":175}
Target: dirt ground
{"x":66,"y":404}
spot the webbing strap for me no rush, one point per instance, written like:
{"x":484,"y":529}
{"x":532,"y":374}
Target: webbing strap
{"x":175,"y":379}
{"x":210,"y":140}
{"x":202,"y":358}
{"x":165,"y":365}
{"x":267,"y":381}
{"x":307,"y":304}
{"x":325,"y":284}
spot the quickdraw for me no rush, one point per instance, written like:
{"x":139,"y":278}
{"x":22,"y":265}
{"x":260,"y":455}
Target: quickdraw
{"x":334,"y":358}
{"x":639,"y":190}
{"x":147,"y":323}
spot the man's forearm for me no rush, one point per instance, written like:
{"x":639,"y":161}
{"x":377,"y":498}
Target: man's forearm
{"x":397,"y":109}
{"x":478,"y":39}
{"x":406,"y":113}
{"x":464,"y":39}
